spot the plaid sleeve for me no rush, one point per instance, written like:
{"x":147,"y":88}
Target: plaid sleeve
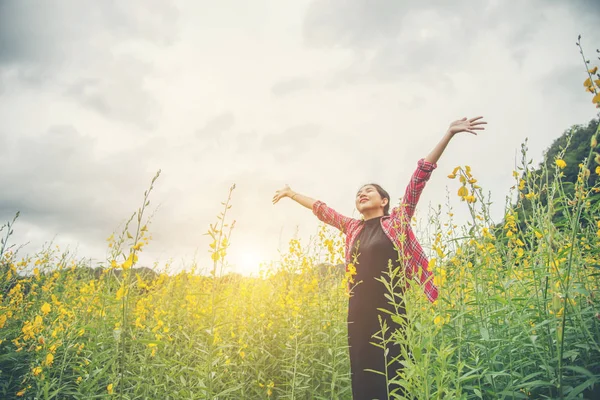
{"x":413,"y":190}
{"x":330,"y":216}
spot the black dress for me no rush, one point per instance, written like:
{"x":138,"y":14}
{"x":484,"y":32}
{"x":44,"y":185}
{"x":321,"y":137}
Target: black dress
{"x":374,"y":251}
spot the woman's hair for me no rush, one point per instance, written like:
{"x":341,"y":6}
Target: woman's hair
{"x":384,"y":195}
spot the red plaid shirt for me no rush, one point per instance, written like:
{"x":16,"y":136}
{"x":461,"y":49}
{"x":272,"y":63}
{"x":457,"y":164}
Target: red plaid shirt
{"x":396,"y":226}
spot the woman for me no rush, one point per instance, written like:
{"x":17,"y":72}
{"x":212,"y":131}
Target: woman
{"x":374,"y":244}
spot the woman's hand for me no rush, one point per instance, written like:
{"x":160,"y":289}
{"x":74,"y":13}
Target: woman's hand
{"x":466,"y":125}
{"x":462,"y":125}
{"x":281,"y":193}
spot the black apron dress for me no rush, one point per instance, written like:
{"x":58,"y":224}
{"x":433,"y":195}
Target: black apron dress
{"x":374,"y":251}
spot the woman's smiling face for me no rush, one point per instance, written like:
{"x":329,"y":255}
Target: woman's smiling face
{"x":368,"y":198}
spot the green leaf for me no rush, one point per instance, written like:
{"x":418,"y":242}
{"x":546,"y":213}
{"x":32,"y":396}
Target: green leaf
{"x":485,"y":334}
{"x":578,"y":389}
{"x":581,"y":371}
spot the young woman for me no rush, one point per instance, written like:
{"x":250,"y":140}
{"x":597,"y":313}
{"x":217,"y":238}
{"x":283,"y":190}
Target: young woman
{"x":381,"y":238}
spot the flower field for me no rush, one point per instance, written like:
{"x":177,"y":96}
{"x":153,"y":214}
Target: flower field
{"x":518,"y":314}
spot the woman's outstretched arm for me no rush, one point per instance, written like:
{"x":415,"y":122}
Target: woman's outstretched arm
{"x":306,"y":201}
{"x":462,"y":125}
{"x":428,"y":164}
{"x":320,"y":209}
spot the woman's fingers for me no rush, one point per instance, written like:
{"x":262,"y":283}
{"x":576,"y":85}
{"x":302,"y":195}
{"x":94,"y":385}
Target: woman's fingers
{"x":280,"y":194}
{"x":475,"y":119}
{"x":277,"y":197}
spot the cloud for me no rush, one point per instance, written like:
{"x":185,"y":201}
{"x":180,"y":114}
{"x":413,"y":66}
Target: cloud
{"x":364,"y":24}
{"x":400,"y":40}
{"x":58,"y":181}
{"x":216,"y":126}
{"x":123,"y":97}
{"x":93,"y":53}
{"x":292,"y":143}
{"x":288,"y":86}
{"x":36,"y":33}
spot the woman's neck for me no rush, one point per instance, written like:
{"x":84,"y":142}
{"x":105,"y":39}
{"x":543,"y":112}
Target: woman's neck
{"x":373,"y":214}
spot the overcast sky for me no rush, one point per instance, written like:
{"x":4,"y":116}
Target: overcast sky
{"x":96,"y":96}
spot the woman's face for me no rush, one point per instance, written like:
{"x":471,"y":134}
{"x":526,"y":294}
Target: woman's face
{"x":368,"y":198}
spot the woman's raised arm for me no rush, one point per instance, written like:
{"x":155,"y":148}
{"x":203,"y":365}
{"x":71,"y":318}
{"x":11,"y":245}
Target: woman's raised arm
{"x":428,"y":164}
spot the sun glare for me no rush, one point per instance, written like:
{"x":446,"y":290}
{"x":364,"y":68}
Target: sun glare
{"x":248,"y":263}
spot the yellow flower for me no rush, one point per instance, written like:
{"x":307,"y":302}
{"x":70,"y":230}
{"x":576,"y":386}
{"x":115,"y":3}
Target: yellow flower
{"x":560,"y":163}
{"x":530,"y":195}
{"x":20,"y":393}
{"x":463,"y":191}
{"x":36,"y":371}
{"x":432,"y":263}
{"x":109,"y":388}
{"x":593,"y":70}
{"x":46,"y":308}
{"x":129,"y":262}
{"x":598,"y":170}
{"x":538,"y":235}
{"x":49,"y":359}
{"x":439,"y":320}
{"x":521,"y":184}
{"x":121,"y":293}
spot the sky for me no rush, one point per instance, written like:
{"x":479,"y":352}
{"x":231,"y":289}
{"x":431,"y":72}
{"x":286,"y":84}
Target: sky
{"x":96,"y":97}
